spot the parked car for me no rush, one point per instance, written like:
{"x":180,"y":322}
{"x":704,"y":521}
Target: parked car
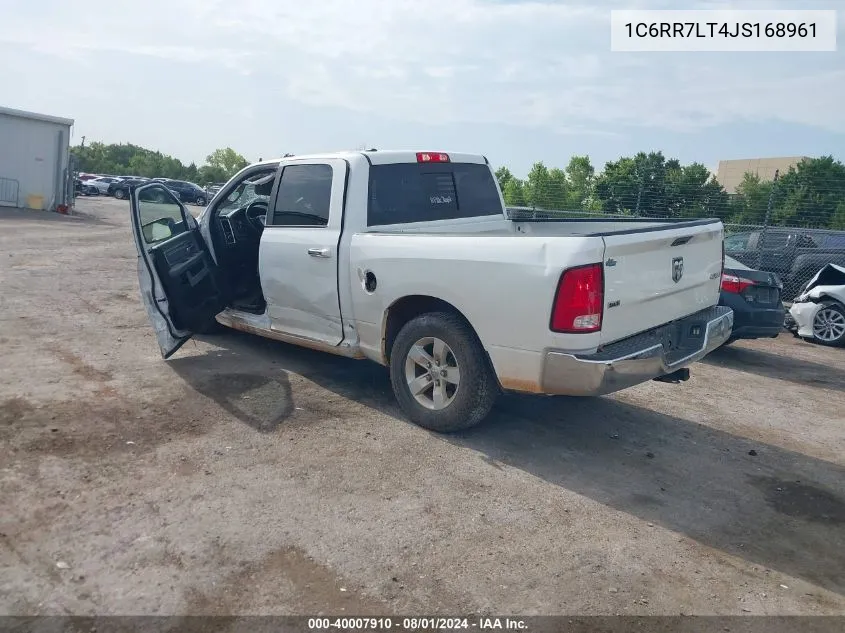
{"x":120,"y":190}
{"x":188,"y":191}
{"x":818,"y":313}
{"x":755,"y":298}
{"x":83,"y":188}
{"x":795,"y":255}
{"x":411,"y":260}
{"x":102,"y":183}
{"x":213,"y":188}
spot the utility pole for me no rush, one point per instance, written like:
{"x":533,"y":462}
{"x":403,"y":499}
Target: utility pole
{"x":767,"y":219}
{"x":639,"y":193}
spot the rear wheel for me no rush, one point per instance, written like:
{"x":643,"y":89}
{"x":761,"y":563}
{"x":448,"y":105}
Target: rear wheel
{"x":200,"y":201}
{"x":119,"y":194}
{"x":440,"y":374}
{"x":829,"y":324}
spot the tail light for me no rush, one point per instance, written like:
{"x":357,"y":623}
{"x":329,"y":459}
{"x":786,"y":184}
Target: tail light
{"x":432,"y":157}
{"x":734,"y":284}
{"x":579,"y":300}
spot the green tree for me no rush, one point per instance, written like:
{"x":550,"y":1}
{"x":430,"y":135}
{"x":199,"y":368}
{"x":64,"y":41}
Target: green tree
{"x":617,"y":187}
{"x":811,"y":194}
{"x":514,"y":193}
{"x":691,"y":191}
{"x":208,"y":174}
{"x":127,"y":159}
{"x":544,"y":188}
{"x":580,"y":174}
{"x":227,"y":160}
{"x":503,"y":177}
{"x":748,"y":205}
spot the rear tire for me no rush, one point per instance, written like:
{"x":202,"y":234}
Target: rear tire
{"x":829,"y":324}
{"x":458,"y":389}
{"x":200,"y":202}
{"x":118,"y":193}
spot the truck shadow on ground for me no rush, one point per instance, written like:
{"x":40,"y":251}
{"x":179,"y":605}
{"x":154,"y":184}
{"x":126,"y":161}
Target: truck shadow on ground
{"x":780,"y":367}
{"x":260,"y":399}
{"x":775,"y":508}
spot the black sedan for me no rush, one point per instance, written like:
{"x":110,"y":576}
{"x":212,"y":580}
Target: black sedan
{"x":120,"y":190}
{"x":755,"y":298}
{"x":187,"y":191}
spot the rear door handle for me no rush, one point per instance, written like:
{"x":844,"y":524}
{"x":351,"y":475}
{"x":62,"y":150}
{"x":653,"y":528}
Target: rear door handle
{"x":319,"y":252}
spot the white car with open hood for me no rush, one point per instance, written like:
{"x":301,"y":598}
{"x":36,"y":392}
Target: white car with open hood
{"x":411,"y":260}
{"x":819,"y":311}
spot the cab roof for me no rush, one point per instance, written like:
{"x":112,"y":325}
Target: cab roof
{"x":383,"y":157}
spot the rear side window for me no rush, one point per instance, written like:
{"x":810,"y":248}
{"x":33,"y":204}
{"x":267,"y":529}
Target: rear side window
{"x":304,"y":197}
{"x":403,"y":193}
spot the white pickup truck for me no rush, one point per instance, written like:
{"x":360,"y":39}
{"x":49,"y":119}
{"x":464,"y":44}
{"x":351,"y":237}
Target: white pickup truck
{"x":411,"y":260}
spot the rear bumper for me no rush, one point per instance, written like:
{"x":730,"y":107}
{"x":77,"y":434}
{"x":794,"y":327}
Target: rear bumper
{"x":753,"y":320}
{"x":638,"y":359}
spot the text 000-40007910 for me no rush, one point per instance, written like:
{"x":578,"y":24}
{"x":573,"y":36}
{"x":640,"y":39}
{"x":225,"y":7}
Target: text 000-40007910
{"x":723,"y":31}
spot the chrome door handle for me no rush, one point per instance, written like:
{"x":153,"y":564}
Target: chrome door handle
{"x":319,"y":252}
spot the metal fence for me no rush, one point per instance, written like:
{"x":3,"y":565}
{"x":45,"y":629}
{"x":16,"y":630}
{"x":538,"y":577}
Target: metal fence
{"x":793,"y":253}
{"x":792,"y":226}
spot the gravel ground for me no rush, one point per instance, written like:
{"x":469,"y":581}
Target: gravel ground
{"x":246,"y":476}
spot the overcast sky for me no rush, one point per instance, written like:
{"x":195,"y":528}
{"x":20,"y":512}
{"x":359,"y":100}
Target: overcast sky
{"x":518,"y":81}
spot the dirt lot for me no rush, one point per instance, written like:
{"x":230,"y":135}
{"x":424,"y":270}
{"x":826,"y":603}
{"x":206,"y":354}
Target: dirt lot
{"x":248,"y":476}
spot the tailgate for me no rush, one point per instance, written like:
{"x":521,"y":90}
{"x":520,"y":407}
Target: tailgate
{"x":659,"y":275}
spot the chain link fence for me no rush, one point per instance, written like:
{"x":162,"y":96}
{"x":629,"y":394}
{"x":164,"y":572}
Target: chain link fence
{"x":787,"y":227}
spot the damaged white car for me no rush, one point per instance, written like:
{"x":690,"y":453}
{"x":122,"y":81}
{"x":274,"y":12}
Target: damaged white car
{"x":819,"y":311}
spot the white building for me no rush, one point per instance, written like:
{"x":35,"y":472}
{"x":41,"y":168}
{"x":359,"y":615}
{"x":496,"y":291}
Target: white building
{"x":34,"y":160}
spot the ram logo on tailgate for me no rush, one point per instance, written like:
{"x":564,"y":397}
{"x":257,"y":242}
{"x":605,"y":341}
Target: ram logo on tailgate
{"x":677,"y":269}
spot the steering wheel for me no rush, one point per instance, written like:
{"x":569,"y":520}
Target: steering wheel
{"x":256,"y":214}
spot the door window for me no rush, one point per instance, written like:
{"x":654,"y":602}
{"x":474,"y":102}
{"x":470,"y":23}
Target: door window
{"x":304,"y":197}
{"x":160,"y":214}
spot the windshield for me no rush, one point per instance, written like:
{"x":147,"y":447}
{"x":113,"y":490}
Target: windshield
{"x":252,"y":189}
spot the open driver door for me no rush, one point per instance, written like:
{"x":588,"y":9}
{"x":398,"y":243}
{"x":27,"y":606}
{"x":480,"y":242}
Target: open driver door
{"x":176,"y":273}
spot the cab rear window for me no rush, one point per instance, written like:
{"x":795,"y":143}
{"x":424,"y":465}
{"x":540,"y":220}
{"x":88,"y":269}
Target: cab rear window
{"x":404,"y":193}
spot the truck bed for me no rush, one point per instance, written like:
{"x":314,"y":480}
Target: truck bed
{"x":503,"y":274}
{"x":497,"y":225}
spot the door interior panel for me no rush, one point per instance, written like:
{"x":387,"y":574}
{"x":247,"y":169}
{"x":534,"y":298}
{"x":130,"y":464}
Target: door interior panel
{"x":190,"y":282}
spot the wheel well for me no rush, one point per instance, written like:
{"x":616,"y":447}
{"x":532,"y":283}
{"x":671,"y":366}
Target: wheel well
{"x":826,"y":298}
{"x":407,"y":308}
{"x":412,"y":306}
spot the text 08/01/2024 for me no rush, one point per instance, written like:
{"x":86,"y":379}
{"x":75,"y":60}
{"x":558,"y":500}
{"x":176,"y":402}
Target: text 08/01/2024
{"x":723,"y":31}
